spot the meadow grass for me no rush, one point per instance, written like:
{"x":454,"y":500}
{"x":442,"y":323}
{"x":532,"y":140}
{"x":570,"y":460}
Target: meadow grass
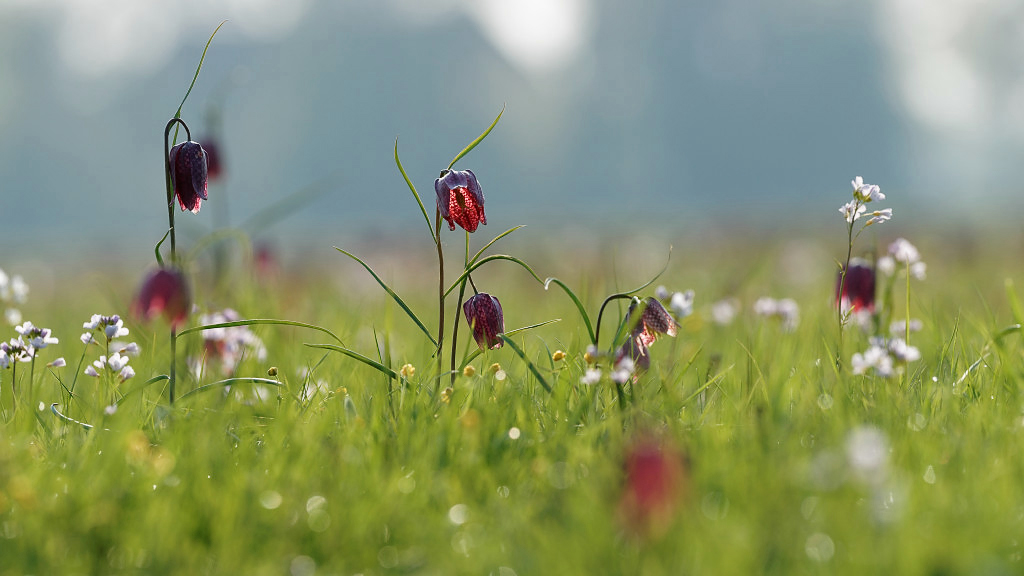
{"x":373,"y":475}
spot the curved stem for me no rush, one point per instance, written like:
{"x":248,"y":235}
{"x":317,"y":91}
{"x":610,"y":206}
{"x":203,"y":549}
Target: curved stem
{"x":170,"y":223}
{"x":608,"y":300}
{"x":167,"y":176}
{"x":842,"y":285}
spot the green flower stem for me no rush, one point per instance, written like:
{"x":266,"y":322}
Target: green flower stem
{"x":170,"y":215}
{"x":458,"y":313}
{"x":440,"y":290}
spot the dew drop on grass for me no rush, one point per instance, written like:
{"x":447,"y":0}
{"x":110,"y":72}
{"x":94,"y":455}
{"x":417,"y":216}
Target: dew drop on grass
{"x":500,"y":375}
{"x":825,"y":402}
{"x":503,"y":491}
{"x":406,"y":484}
{"x":819,"y":547}
{"x":302,"y":566}
{"x":917,"y":422}
{"x":270,"y":499}
{"x":929,"y":475}
{"x":458,"y":514}
{"x":387,"y":557}
{"x":513,"y":433}
{"x":319,"y":521}
{"x":315,"y":502}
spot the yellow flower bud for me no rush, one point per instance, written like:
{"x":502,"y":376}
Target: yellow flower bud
{"x":558,"y":356}
{"x":469,"y":371}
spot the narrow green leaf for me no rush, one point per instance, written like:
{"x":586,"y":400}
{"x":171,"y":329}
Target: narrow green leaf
{"x":53,"y":408}
{"x":478,"y":140}
{"x":718,"y":377}
{"x":652,"y":280}
{"x":475,"y":353}
{"x":198,"y":68}
{"x":415,"y":194}
{"x":142,"y":386}
{"x":260,"y":321}
{"x":489,"y":244}
{"x":357,"y":356}
{"x":472,"y":267}
{"x":529,"y":364}
{"x":156,"y":250}
{"x":229,"y":382}
{"x":393,"y":295}
{"x":579,"y":305}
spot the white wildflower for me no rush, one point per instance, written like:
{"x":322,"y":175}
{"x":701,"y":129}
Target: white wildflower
{"x":724,"y":312}
{"x":592,"y":376}
{"x":903,"y":251}
{"x":682,"y":303}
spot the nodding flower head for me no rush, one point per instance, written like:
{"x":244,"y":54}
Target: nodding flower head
{"x":164,"y":291}
{"x":460,"y":199}
{"x":655,"y":480}
{"x":653,"y":321}
{"x":483,"y":313}
{"x":857,"y":290}
{"x":188,"y":163}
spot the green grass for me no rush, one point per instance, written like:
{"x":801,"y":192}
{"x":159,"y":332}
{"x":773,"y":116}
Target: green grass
{"x":363,"y":481}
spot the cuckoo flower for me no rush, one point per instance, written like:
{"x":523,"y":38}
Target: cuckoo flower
{"x":857,"y":292}
{"x":188,"y":163}
{"x":483,"y":313}
{"x":164,"y":291}
{"x":460,"y":199}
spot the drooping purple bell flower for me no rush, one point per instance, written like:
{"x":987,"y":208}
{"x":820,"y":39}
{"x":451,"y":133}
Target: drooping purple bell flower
{"x":483,"y":313}
{"x":188,"y":163}
{"x":857,"y":292}
{"x":460,"y":199}
{"x":164,"y":291}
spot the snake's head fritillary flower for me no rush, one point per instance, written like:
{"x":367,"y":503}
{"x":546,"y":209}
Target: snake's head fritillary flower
{"x":483,"y":313}
{"x":655,"y":479}
{"x":460,"y":199}
{"x":164,"y":291}
{"x":856,"y":291}
{"x":655,"y":320}
{"x":189,"y":174}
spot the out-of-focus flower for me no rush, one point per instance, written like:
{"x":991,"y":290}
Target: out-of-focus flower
{"x":483,"y":313}
{"x":228,"y":345}
{"x":904,"y":252}
{"x":624,"y":369}
{"x":214,"y":165}
{"x":866,"y":192}
{"x":902,"y":351}
{"x":15,"y":351}
{"x":724,"y":311}
{"x":917,"y":270}
{"x":460,"y":199}
{"x":856,"y":291}
{"x":58,"y":363}
{"x":883,"y":356}
{"x":38,"y":337}
{"x":886,"y":265}
{"x":558,"y":356}
{"x":786,"y":309}
{"x":189,"y":174}
{"x":662,"y":293}
{"x":591,"y":376}
{"x":12,"y":291}
{"x":164,"y":291}
{"x":407,"y":371}
{"x":899,"y":327}
{"x":654,"y":481}
{"x":867,"y":451}
{"x":682,"y":304}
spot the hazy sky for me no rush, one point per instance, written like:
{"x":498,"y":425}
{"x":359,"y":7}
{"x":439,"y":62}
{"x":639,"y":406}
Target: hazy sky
{"x":638,"y":112}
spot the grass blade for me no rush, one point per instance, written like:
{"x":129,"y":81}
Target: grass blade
{"x":198,"y":68}
{"x":257,"y":322}
{"x":472,"y":267}
{"x":228,"y":382}
{"x":478,"y":140}
{"x":489,"y":244}
{"x":152,"y":380}
{"x":415,"y":194}
{"x":577,"y":302}
{"x":357,"y":356}
{"x":53,"y":408}
{"x":393,"y":295}
{"x":156,"y":250}
{"x":476,"y":353}
{"x":529,"y":364}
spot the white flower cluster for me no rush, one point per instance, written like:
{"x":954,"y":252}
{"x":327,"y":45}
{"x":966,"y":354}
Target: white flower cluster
{"x":883,"y":356}
{"x":902,"y":252}
{"x":787,"y":310}
{"x":680,"y":303}
{"x":18,"y":350}
{"x":864,"y":194}
{"x":13,"y":291}
{"x":724,"y":311}
{"x":228,"y":345}
{"x":117,"y":363}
